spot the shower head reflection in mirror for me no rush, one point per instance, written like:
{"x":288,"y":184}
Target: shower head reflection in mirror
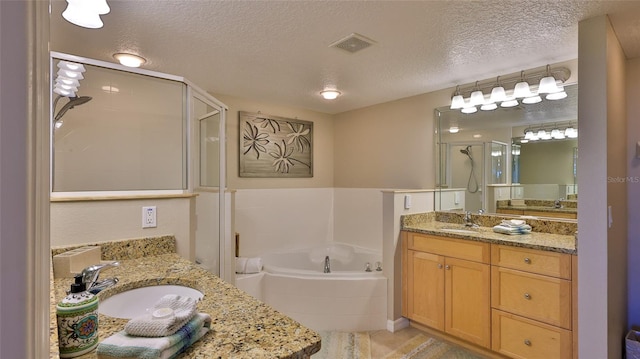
{"x":73,"y":102}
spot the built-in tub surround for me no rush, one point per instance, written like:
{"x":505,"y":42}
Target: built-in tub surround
{"x":242,"y":327}
{"x":346,"y":299}
{"x":551,"y":235}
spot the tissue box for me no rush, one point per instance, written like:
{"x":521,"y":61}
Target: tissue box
{"x":70,"y":263}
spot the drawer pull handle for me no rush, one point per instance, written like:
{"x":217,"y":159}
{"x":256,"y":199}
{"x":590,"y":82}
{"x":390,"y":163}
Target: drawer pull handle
{"x":527,"y":342}
{"x":527,"y":260}
{"x":439,"y":266}
{"x":527,"y":296}
{"x":447,"y":267}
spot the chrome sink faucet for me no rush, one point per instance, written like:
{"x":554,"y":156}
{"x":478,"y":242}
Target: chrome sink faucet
{"x":91,"y":274}
{"x":467,"y":219}
{"x":327,"y":265}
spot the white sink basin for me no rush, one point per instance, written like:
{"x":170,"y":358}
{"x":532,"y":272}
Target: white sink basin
{"x":135,"y":302}
{"x":459,"y":230}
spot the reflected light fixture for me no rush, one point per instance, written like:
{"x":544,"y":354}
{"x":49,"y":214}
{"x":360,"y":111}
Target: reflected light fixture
{"x":532,"y":99}
{"x":454,"y":129}
{"x":330,"y":94}
{"x":129,"y":60}
{"x":557,"y":95}
{"x":509,"y":103}
{"x":488,"y":106}
{"x":469,"y":109}
{"x":86,"y":13}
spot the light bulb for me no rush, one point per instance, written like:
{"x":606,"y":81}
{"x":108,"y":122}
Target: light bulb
{"x":556,"y":96}
{"x":477,"y":98}
{"x":509,"y":103}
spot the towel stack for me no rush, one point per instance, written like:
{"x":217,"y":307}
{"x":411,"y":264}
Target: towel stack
{"x":171,"y":327}
{"x":248,"y":265}
{"x":514,"y":226}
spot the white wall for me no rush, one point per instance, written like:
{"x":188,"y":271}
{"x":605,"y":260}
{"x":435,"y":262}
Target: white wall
{"x":284,"y":218}
{"x":358,"y":217}
{"x":602,"y":265}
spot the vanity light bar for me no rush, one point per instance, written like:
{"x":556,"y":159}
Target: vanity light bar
{"x":527,"y":87}
{"x":553,"y":132}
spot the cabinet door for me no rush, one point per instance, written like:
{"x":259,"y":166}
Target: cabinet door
{"x":467,"y":301}
{"x":425,"y":285}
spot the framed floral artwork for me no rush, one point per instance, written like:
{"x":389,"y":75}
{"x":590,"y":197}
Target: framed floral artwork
{"x":272,"y":146}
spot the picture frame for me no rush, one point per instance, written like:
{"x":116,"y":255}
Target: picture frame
{"x":274,"y":147}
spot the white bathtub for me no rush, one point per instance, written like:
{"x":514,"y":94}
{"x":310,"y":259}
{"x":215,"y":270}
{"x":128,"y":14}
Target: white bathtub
{"x":347,"y":299}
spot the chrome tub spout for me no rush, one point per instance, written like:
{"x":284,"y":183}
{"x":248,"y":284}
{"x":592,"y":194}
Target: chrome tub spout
{"x":327,"y":265}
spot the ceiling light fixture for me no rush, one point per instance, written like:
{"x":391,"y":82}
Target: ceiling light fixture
{"x":68,"y":78}
{"x":86,"y":13}
{"x":330,"y":94}
{"x":129,"y":60}
{"x":454,"y":129}
{"x":474,"y":95}
{"x":555,"y":132}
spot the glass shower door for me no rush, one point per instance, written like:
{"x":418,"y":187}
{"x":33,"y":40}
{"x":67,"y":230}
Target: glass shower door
{"x":209,"y":185}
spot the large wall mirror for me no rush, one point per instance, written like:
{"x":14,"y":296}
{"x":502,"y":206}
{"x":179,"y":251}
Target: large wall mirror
{"x":118,"y":131}
{"x":506,"y":155}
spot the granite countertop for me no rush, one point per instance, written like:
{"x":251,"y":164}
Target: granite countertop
{"x":241,"y":327}
{"x":540,"y":208}
{"x":561,"y":243}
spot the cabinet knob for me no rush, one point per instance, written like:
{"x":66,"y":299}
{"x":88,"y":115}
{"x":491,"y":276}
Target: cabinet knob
{"x":439,"y":266}
{"x":527,"y":296}
{"x":527,"y":342}
{"x":527,"y":260}
{"x":447,"y":267}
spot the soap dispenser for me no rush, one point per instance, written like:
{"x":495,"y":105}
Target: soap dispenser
{"x":77,"y":316}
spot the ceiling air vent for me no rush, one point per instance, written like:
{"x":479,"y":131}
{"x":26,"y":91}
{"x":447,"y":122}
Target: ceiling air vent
{"x":353,"y":43}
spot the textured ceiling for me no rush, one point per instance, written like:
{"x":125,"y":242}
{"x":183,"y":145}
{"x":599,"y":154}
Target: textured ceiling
{"x":278,"y":51}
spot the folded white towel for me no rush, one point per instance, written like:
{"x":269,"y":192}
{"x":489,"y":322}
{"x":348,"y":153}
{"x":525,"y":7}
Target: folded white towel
{"x":168,"y":315}
{"x":121,"y":345}
{"x":246,"y":265}
{"x":523,"y":229}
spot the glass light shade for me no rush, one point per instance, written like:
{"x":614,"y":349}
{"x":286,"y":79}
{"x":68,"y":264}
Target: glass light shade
{"x":488,"y":106}
{"x":555,"y":133}
{"x":477,"y":98}
{"x":571,"y":132}
{"x":131,"y":60}
{"x":532,"y":99}
{"x":67,"y":87}
{"x":330,"y":94}
{"x":498,"y":94}
{"x":63,"y":92}
{"x":556,"y":96}
{"x":521,"y":90}
{"x":524,"y":140}
{"x":67,"y":81}
{"x":509,"y":103}
{"x":70,"y":74}
{"x":528,"y":135}
{"x":457,"y":102}
{"x":547,"y":85}
{"x":71,"y":66}
{"x":454,"y":129}
{"x":471,"y":109}
{"x":82,"y":15}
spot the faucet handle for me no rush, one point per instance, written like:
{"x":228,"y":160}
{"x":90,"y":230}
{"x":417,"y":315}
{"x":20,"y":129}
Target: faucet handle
{"x":90,"y":274}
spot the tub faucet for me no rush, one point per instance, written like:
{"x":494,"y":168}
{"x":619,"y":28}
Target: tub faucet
{"x":327,"y":265}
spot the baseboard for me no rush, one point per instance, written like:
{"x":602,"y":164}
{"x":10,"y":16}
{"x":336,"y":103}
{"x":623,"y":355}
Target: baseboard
{"x":395,"y":325}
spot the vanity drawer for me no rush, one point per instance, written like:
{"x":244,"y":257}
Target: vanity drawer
{"x":532,"y":260}
{"x":519,"y":337}
{"x":535,"y":296}
{"x":450,"y":247}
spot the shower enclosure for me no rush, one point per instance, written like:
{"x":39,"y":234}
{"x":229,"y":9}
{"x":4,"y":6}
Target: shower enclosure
{"x":123,"y":135}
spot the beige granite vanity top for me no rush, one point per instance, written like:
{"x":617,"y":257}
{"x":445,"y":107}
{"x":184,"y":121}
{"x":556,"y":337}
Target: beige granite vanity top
{"x":429,"y":224}
{"x":568,"y":206}
{"x":242,"y":326}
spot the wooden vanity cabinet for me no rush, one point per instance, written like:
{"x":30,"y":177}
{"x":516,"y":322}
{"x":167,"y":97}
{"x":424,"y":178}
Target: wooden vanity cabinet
{"x":517,"y":302}
{"x":446,"y":286}
{"x":533,"y":302}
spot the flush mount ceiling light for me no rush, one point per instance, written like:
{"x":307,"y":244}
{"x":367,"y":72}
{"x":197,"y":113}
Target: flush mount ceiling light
{"x":129,"y":60}
{"x":454,"y":129}
{"x":474,"y":94}
{"x":86,"y":13}
{"x":330,"y":94}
